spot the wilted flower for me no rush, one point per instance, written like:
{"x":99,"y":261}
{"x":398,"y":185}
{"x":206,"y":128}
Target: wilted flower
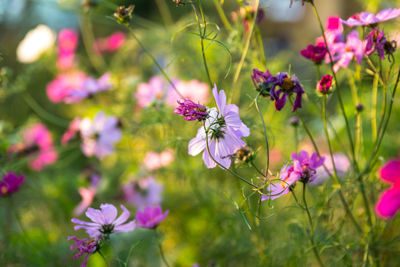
{"x":10,"y":183}
{"x":84,"y":246}
{"x":315,"y":53}
{"x":150,"y":217}
{"x":35,"y":43}
{"x":37,"y":146}
{"x":73,"y":128}
{"x":191,"y":111}
{"x":366,"y":18}
{"x":342,"y":165}
{"x":224,"y":131}
{"x":87,"y":195}
{"x":376,"y":41}
{"x":109,"y":44}
{"x":389,"y":201}
{"x":99,"y":135}
{"x":124,"y":14}
{"x":67,"y":44}
{"x":153,"y":160}
{"x":105,"y":221}
{"x":324,"y":85}
{"x":143,"y":192}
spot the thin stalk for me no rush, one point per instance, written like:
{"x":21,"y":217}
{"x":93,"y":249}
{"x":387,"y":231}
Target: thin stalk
{"x":296,"y":199}
{"x":222,"y":15}
{"x":265,"y":132}
{"x":374,"y":105}
{"x":315,"y":249}
{"x":160,"y":249}
{"x":164,"y":12}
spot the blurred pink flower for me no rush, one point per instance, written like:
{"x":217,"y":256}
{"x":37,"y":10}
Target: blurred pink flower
{"x":193,"y":90}
{"x":58,"y":89}
{"x":366,"y":18}
{"x":155,"y":91}
{"x":89,"y":88}
{"x":105,"y":221}
{"x":38,"y":146}
{"x":150,"y":217}
{"x":153,"y":160}
{"x":143,"y":192}
{"x":342,"y":165}
{"x":345,"y":52}
{"x":99,"y":135}
{"x":87,"y":195}
{"x":110,"y":43}
{"x":10,"y":183}
{"x":73,"y":128}
{"x":389,"y":201}
{"x":67,"y":44}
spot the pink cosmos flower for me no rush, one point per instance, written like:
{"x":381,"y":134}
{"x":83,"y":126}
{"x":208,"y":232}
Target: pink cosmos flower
{"x":70,"y":134}
{"x":155,"y":91}
{"x":84,"y":246}
{"x":87,"y":195}
{"x":38,"y":146}
{"x":324,"y":85}
{"x":110,"y":43}
{"x":304,"y":169}
{"x":58,"y":89}
{"x":224,"y":131}
{"x":193,"y":90}
{"x":67,"y":44}
{"x":10,"y":183}
{"x":345,"y":52}
{"x":143,"y":192}
{"x":153,"y":160}
{"x":89,"y":88}
{"x":342,"y":165}
{"x":389,"y":201}
{"x":150,"y":217}
{"x":99,"y":135}
{"x":105,"y":221}
{"x":366,"y":18}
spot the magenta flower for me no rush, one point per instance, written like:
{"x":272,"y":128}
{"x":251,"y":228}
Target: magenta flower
{"x":153,"y":160}
{"x":84,"y":246}
{"x":70,"y":134}
{"x":224,"y":130}
{"x":58,"y":89}
{"x":10,"y":183}
{"x":376,"y":41}
{"x":89,"y":88}
{"x":150,"y":217}
{"x":366,"y":18}
{"x":191,"y":111}
{"x":105,"y":221}
{"x":37,"y":146}
{"x":99,"y":135}
{"x":315,"y":53}
{"x":278,"y":189}
{"x":324,"y":85}
{"x":109,"y":44}
{"x":389,"y":201}
{"x":67,"y":44}
{"x":143,"y":192}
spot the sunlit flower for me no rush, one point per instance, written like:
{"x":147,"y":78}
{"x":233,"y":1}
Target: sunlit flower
{"x":153,"y":160}
{"x":99,"y":135}
{"x":35,"y":42}
{"x":150,"y":217}
{"x":10,"y":183}
{"x":84,"y":246}
{"x":105,"y":221}
{"x":389,"y":201}
{"x":193,"y":90}
{"x":37,"y":146}
{"x":366,"y":18}
{"x":224,"y":131}
{"x":87,"y":195}
{"x":155,"y":91}
{"x":89,"y":88}
{"x":345,"y":52}
{"x":143,"y":192}
{"x":110,"y":43}
{"x":324,"y":85}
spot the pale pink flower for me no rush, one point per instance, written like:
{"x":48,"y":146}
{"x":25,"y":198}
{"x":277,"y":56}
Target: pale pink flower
{"x":67,"y":44}
{"x":366,"y":18}
{"x":87,"y":195}
{"x":70,"y":134}
{"x":193,"y":90}
{"x":153,"y":160}
{"x":58,"y":89}
{"x":151,"y":217}
{"x":110,"y":43}
{"x":153,"y":92}
{"x":143,"y":192}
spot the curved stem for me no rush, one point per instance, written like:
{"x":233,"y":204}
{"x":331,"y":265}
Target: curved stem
{"x":265,"y":132}
{"x":161,"y":249}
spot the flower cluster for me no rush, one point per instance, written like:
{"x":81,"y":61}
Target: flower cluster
{"x":303,"y":169}
{"x":278,"y":87}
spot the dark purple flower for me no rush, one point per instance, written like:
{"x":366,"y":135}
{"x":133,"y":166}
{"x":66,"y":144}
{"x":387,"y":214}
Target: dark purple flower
{"x":10,"y":183}
{"x":375,"y":41}
{"x":315,"y":53}
{"x":150,"y":217}
{"x":191,"y":111}
{"x":83,"y":246}
{"x":325,"y":84}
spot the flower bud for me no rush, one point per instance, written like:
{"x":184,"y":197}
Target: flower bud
{"x":124,"y":14}
{"x":359,"y":107}
{"x":324,"y":85}
{"x":294,"y":121}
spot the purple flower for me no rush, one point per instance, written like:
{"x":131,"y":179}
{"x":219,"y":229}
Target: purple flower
{"x":366,"y":18}
{"x":191,"y":111}
{"x":105,"y":221}
{"x":83,"y":246}
{"x":325,"y":84}
{"x":376,"y":41}
{"x":224,"y":130}
{"x":10,"y":183}
{"x":303,"y":169}
{"x":99,"y":135}
{"x":143,"y":192}
{"x":89,"y":88}
{"x":342,"y":165}
{"x":315,"y":53}
{"x":345,"y":52}
{"x":150,"y":217}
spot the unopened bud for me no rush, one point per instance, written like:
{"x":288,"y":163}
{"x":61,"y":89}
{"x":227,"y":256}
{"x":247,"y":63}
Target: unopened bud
{"x":124,"y":14}
{"x":294,"y":121}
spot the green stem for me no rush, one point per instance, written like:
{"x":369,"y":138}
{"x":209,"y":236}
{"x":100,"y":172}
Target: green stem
{"x":164,"y":12}
{"x":222,"y":15}
{"x":265,"y":132}
{"x":315,"y":249}
{"x":374,"y":104}
{"x":160,"y":249}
